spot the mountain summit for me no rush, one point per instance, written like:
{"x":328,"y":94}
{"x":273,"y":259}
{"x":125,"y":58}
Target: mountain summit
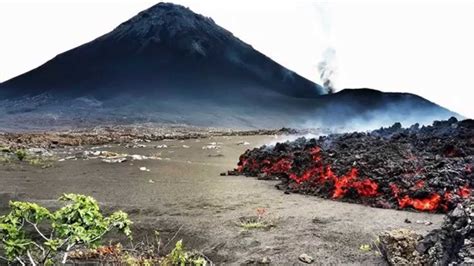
{"x":169,"y":64}
{"x":162,"y":50}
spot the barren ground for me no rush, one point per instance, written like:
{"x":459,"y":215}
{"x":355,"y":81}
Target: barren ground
{"x":187,"y":192}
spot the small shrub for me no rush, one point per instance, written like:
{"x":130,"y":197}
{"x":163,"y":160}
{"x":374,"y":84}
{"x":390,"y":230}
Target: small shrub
{"x":256,"y":222}
{"x":252,"y":223}
{"x":179,"y":256}
{"x":78,"y":223}
{"x":365,"y":247}
{"x":40,"y":162}
{"x":20,"y":154}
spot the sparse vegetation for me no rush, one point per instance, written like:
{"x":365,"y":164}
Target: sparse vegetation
{"x":20,"y":154}
{"x":179,"y":256}
{"x":365,"y":247}
{"x":8,"y":156}
{"x":31,"y":234}
{"x":260,"y":221}
{"x":252,"y":223}
{"x":144,"y":253}
{"x":40,"y":162}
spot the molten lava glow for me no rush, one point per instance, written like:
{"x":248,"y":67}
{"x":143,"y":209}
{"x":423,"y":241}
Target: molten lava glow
{"x":247,"y":163}
{"x":281,"y":166}
{"x":419,"y":184}
{"x":448,"y":196}
{"x":367,"y":188}
{"x":430,"y":203}
{"x":464,"y":192}
{"x":395,"y":190}
{"x":306,"y":176}
{"x":316,"y":174}
{"x":242,"y":164}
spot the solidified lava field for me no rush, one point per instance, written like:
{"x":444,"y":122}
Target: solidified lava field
{"x":426,"y":169}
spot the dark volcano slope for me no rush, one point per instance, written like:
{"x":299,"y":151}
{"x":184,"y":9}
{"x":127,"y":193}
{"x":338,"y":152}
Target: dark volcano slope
{"x":168,"y":64}
{"x":166,"y":50}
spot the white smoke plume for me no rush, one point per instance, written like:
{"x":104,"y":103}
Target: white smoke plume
{"x":327,"y":69}
{"x":327,"y":66}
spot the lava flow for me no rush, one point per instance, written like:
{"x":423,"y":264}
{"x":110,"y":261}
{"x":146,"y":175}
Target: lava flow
{"x":374,"y":168}
{"x":316,"y":174}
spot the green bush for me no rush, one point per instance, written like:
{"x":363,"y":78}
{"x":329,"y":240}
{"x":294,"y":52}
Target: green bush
{"x":78,"y":223}
{"x":179,"y":256}
{"x":20,"y":154}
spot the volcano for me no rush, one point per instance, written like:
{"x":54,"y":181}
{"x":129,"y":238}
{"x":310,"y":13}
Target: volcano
{"x":169,"y":64}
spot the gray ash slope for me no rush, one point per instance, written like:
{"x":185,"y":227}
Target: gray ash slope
{"x":169,"y":64}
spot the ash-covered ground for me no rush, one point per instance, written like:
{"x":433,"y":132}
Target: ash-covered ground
{"x":168,"y":179}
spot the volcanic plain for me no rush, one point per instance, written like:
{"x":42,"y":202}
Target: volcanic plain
{"x":175,"y":186}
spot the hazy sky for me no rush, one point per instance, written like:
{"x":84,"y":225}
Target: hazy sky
{"x":423,"y":47}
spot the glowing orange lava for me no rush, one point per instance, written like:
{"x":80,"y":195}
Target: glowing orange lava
{"x":430,"y":203}
{"x":464,"y":192}
{"x":318,"y":175}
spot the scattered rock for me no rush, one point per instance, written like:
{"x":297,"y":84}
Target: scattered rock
{"x":306,"y":258}
{"x":114,"y":160}
{"x":39,"y":151}
{"x":424,"y":222}
{"x":137,"y":157}
{"x":211,"y":147}
{"x":265,"y":260}
{"x":399,"y":247}
{"x":216,"y":155}
{"x":162,"y":146}
{"x":452,"y":244}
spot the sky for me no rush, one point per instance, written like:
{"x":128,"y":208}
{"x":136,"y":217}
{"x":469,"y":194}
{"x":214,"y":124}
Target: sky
{"x":419,"y":46}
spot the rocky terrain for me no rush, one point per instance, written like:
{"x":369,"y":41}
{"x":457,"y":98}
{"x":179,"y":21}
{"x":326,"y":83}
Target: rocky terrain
{"x":451,"y":244}
{"x":127,"y":134}
{"x":427,"y":168}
